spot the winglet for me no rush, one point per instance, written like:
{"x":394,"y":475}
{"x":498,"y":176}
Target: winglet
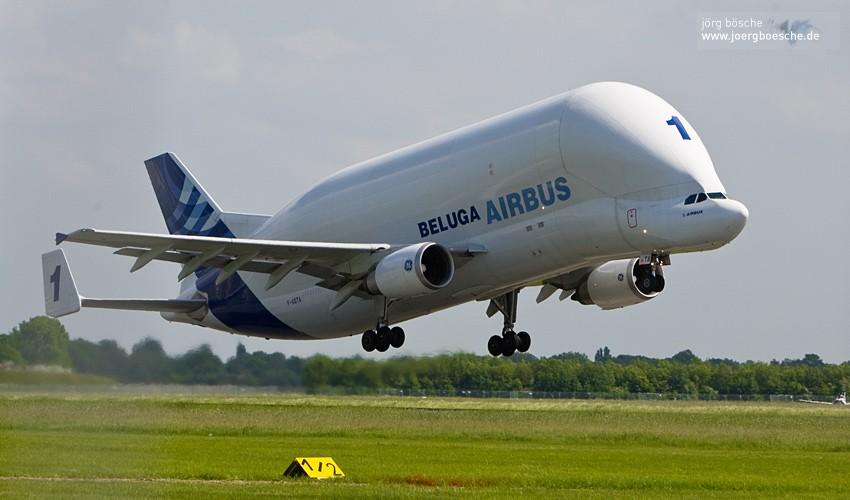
{"x":60,"y":291}
{"x":60,"y":237}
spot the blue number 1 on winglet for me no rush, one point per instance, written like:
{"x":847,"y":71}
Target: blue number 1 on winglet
{"x":681,"y":128}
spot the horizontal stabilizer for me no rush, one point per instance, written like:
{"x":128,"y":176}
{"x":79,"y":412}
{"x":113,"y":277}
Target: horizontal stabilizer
{"x":62,"y":298}
{"x":159,"y":305}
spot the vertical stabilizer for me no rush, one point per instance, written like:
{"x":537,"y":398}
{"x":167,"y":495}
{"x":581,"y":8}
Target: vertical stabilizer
{"x":60,"y":292}
{"x":186,"y":206}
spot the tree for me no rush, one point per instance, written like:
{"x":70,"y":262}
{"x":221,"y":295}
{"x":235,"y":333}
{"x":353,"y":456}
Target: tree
{"x":574,"y":356}
{"x":41,"y":341}
{"x":199,"y":366}
{"x":811,"y":360}
{"x":684,"y":357}
{"x":602,"y":355}
{"x":148,"y":362}
{"x":8,"y":353}
{"x":105,"y":358}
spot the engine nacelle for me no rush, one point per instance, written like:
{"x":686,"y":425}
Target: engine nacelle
{"x":620,"y":283}
{"x":412,"y":270}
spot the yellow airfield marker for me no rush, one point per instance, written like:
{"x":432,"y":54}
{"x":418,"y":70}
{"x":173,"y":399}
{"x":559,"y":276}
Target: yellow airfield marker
{"x":314,"y":467}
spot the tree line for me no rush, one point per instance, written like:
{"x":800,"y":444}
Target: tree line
{"x":43,"y":340}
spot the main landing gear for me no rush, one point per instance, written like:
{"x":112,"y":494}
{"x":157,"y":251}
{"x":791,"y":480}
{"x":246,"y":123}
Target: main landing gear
{"x":383,"y":337}
{"x":509,"y":342}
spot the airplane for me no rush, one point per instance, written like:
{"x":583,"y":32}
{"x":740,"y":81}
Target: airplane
{"x":588,"y":193}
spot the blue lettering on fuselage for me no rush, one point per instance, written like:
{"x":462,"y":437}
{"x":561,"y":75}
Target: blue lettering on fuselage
{"x":502,"y":208}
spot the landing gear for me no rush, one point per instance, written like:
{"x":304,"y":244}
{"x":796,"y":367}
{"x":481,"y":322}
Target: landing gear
{"x":369,"y":340}
{"x":382,"y":337}
{"x":383,"y":342}
{"x":523,"y":341}
{"x":494,"y":345}
{"x":509,"y":342}
{"x":396,"y":337}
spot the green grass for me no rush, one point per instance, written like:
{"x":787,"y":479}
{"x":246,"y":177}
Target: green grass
{"x":93,"y":446}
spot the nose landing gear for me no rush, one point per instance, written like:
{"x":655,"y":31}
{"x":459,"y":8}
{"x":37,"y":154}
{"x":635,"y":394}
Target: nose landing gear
{"x":509,"y":342}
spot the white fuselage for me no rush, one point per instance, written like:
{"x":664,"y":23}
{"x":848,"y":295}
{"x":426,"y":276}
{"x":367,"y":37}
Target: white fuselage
{"x":588,"y":176}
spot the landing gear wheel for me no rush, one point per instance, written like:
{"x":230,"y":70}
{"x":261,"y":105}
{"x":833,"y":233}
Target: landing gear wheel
{"x":369,"y":340}
{"x":509,"y":343}
{"x":658,"y":284}
{"x":494,"y":345}
{"x":523,"y":341}
{"x":383,"y":341}
{"x":396,"y":337}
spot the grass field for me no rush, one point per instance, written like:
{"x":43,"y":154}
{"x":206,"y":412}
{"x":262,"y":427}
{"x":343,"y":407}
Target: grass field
{"x":91,"y":446}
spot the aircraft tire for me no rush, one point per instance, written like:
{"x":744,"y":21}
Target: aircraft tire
{"x":494,"y":345}
{"x":396,"y":337}
{"x":523,"y":341}
{"x":383,"y":340}
{"x":368,"y":340}
{"x":509,"y":344}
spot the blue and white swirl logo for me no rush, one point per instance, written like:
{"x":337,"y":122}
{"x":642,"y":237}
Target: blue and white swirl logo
{"x":408,"y":265}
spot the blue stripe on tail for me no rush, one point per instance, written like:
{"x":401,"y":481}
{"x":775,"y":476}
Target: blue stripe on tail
{"x":189,"y":210}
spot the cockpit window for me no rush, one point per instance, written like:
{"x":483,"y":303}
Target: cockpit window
{"x":700,"y":197}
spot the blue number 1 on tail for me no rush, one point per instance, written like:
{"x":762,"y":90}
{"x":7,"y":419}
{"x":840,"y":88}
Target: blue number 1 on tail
{"x":674,"y":120}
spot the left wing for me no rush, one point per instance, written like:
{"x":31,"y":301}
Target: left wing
{"x":329,"y":261}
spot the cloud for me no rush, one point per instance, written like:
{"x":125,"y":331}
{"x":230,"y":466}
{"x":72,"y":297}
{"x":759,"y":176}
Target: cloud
{"x":215,"y":54}
{"x":23,"y":15}
{"x":318,"y":44}
{"x":211,"y":55}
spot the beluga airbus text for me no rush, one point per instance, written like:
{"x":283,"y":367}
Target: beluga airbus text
{"x":587,"y":193}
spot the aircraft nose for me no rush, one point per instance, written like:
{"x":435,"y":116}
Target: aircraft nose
{"x":735,"y":215}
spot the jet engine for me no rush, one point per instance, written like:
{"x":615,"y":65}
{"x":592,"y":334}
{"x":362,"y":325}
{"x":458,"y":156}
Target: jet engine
{"x":620,"y":283}
{"x":412,"y":270}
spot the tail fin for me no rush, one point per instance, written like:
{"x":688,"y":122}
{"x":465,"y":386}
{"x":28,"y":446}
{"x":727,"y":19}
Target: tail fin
{"x":186,"y":206}
{"x":60,"y":292}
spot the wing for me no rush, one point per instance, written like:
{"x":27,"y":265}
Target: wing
{"x":272,"y":257}
{"x":335,"y":264}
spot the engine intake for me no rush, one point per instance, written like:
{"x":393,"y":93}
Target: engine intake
{"x":620,"y":283}
{"x":412,"y":270}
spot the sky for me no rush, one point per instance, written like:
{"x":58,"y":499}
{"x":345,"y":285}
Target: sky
{"x":262,"y":100}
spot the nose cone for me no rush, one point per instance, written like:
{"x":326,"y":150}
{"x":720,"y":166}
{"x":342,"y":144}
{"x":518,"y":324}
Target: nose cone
{"x":735,"y":215}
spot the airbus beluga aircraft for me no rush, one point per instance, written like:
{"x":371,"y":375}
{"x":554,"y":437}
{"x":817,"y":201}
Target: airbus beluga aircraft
{"x":588,"y":192}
